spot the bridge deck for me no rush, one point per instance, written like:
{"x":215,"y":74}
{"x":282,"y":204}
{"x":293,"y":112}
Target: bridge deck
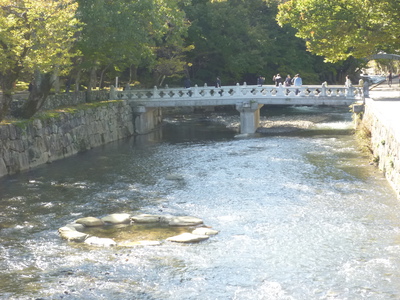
{"x":233,"y":95}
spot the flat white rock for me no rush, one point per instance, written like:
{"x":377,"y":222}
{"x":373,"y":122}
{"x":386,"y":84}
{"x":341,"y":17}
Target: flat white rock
{"x":145,"y":218}
{"x":187,"y":238}
{"x":117,"y":218}
{"x":72,"y":235}
{"x":90,"y":221}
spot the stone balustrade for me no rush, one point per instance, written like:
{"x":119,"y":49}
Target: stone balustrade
{"x":240,"y":92}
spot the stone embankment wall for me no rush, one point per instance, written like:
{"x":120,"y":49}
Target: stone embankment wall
{"x":385,"y":145}
{"x":46,"y":139}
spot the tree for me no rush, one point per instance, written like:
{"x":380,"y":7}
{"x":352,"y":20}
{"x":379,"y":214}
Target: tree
{"x":129,"y":34}
{"x":170,"y":49}
{"x":240,"y":39}
{"x":35,"y":36}
{"x":115,"y":33}
{"x":338,"y":29}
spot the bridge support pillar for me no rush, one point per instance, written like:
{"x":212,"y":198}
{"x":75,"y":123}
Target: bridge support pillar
{"x":146,"y":119}
{"x":249,"y":116}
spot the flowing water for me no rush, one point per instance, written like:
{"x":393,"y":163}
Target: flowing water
{"x":300,"y":215}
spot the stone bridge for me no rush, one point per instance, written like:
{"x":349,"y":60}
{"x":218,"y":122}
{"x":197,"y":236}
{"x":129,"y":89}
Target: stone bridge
{"x":248,"y":99}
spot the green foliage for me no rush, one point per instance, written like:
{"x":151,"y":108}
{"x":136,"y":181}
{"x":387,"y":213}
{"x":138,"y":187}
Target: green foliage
{"x":36,"y":34}
{"x":133,"y":32}
{"x":154,"y":42}
{"x":239,"y":40}
{"x":112,"y":30}
{"x":338,"y":29}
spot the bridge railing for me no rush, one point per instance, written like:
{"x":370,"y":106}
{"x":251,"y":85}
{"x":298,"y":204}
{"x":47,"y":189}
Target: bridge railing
{"x":241,"y":92}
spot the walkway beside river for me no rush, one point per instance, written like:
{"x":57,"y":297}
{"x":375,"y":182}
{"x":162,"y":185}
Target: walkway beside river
{"x":385,"y":101}
{"x":381,"y":118}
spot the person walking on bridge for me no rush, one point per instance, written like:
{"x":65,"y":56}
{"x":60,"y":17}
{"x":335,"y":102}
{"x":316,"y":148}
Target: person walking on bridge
{"x":297,"y":81}
{"x":218,"y":83}
{"x":278,"y":79}
{"x":288,"y":80}
{"x":347,"y":83}
{"x":260,"y":80}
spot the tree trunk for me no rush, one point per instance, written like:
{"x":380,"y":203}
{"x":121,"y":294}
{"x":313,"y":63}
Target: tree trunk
{"x":40,"y":90}
{"x":56,"y":80}
{"x":132,"y":73}
{"x":102,"y":76}
{"x":77,"y":81}
{"x":162,"y":81}
{"x":7,"y":83}
{"x":92,"y":79}
{"x":91,"y":85}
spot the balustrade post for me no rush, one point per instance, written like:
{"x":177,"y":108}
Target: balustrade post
{"x":113,"y":94}
{"x":155,"y":92}
{"x":350,"y":91}
{"x":366,"y":89}
{"x":196,"y":91}
{"x":280,"y":91}
{"x":323,"y":89}
{"x":238,"y":90}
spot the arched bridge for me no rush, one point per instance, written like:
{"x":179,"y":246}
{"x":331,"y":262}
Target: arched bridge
{"x":248,"y":99}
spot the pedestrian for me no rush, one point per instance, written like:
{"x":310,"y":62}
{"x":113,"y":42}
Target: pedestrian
{"x":390,"y":78}
{"x":347,"y":83}
{"x":297,"y":81}
{"x":187,"y":83}
{"x":260,"y":80}
{"x":277,"y":78}
{"x":288,"y":80}
{"x":218,"y":83}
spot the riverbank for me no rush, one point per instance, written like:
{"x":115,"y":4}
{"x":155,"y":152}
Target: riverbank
{"x":61,"y":133}
{"x":380,"y":120}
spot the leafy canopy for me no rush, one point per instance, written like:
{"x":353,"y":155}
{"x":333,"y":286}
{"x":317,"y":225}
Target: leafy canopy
{"x":338,"y":29}
{"x":36,"y":33}
{"x":240,"y":40}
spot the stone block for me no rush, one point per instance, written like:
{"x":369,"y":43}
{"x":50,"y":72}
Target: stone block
{"x":3,"y":168}
{"x":90,"y":221}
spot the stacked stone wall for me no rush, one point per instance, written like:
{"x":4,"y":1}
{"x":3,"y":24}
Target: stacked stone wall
{"x":44,"y":140}
{"x":385,"y":145}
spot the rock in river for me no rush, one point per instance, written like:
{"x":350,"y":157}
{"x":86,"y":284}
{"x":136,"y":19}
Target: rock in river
{"x":187,"y":238}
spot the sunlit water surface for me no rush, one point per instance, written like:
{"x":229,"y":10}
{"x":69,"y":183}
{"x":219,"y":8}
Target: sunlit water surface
{"x":301,"y":216}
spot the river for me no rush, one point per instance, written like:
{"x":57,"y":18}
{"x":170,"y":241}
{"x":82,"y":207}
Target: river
{"x":300,"y":214}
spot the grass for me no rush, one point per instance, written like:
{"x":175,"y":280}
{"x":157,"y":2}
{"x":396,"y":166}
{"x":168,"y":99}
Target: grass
{"x":56,"y":113}
{"x":363,"y":136}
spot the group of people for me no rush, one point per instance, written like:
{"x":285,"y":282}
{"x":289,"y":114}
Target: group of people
{"x":288,"y":81}
{"x":295,"y":81}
